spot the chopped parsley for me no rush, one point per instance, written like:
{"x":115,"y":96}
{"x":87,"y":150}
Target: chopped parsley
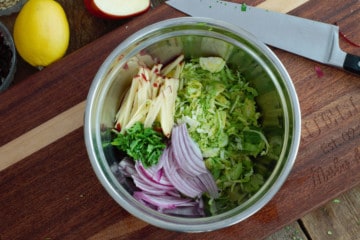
{"x":143,"y":144}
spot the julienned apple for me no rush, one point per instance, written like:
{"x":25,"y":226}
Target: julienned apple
{"x":115,"y":9}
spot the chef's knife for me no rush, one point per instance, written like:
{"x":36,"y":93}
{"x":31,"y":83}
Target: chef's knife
{"x":311,"y":39}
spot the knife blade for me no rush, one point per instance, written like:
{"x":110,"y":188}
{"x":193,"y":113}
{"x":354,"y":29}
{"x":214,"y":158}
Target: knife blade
{"x":310,"y":39}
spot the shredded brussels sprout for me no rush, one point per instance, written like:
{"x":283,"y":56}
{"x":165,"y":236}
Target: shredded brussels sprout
{"x":220,"y":111}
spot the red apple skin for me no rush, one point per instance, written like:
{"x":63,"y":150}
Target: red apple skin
{"x":93,"y":9}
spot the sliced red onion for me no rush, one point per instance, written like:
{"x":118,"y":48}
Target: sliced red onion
{"x":197,"y":210}
{"x":185,"y":168}
{"x":348,"y":39}
{"x":127,"y":167}
{"x":156,"y":177}
{"x":179,"y":180}
{"x":192,"y":163}
{"x":163,"y":201}
{"x":319,"y":71}
{"x":152,"y":188}
{"x":209,"y":183}
{"x":180,"y":171}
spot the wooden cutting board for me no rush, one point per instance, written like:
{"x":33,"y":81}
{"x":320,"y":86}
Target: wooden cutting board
{"x":47,"y":186}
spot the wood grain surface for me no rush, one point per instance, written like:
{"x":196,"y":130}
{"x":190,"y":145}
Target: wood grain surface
{"x":52,"y":192}
{"x":340,"y":218}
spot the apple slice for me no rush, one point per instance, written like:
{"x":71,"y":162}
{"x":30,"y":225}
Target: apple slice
{"x":117,"y":9}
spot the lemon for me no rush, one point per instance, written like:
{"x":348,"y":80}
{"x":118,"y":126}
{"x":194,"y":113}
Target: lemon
{"x":212,"y":64}
{"x":41,"y":32}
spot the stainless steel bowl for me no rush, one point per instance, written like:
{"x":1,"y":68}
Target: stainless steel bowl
{"x":196,"y":37}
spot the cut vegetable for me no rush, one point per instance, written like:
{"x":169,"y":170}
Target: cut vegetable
{"x":154,"y":110}
{"x":184,"y":166}
{"x":139,"y":115}
{"x":172,"y":66}
{"x":212,"y":64}
{"x":123,"y":116}
{"x":219,"y":109}
{"x":143,"y":144}
{"x":117,"y":9}
{"x":156,"y":191}
{"x":167,"y":110}
{"x":208,"y":155}
{"x":151,"y":97}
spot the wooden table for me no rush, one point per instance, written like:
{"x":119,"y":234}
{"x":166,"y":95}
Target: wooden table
{"x":49,"y":191}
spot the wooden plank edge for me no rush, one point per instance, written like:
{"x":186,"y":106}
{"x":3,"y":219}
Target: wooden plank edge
{"x":290,"y":231}
{"x":337,"y":219}
{"x":41,"y":136}
{"x":282,"y":6}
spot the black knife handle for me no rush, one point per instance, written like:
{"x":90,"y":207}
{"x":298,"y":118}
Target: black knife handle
{"x":352,"y":63}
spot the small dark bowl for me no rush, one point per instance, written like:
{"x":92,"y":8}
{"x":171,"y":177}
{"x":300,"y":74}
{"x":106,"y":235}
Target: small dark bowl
{"x":8,"y":40}
{"x":12,"y":9}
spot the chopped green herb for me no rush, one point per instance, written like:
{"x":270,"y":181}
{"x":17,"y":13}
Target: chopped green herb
{"x":329,"y":232}
{"x":336,"y":201}
{"x":143,"y":144}
{"x":297,"y":238}
{"x":243,"y":7}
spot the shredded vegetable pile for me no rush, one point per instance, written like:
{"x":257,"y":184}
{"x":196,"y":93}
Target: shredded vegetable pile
{"x":219,"y":109}
{"x":190,"y":132}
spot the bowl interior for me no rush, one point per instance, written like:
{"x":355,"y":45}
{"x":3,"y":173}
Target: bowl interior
{"x":195,"y":37}
{"x":8,"y":40}
{"x":10,"y":7}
